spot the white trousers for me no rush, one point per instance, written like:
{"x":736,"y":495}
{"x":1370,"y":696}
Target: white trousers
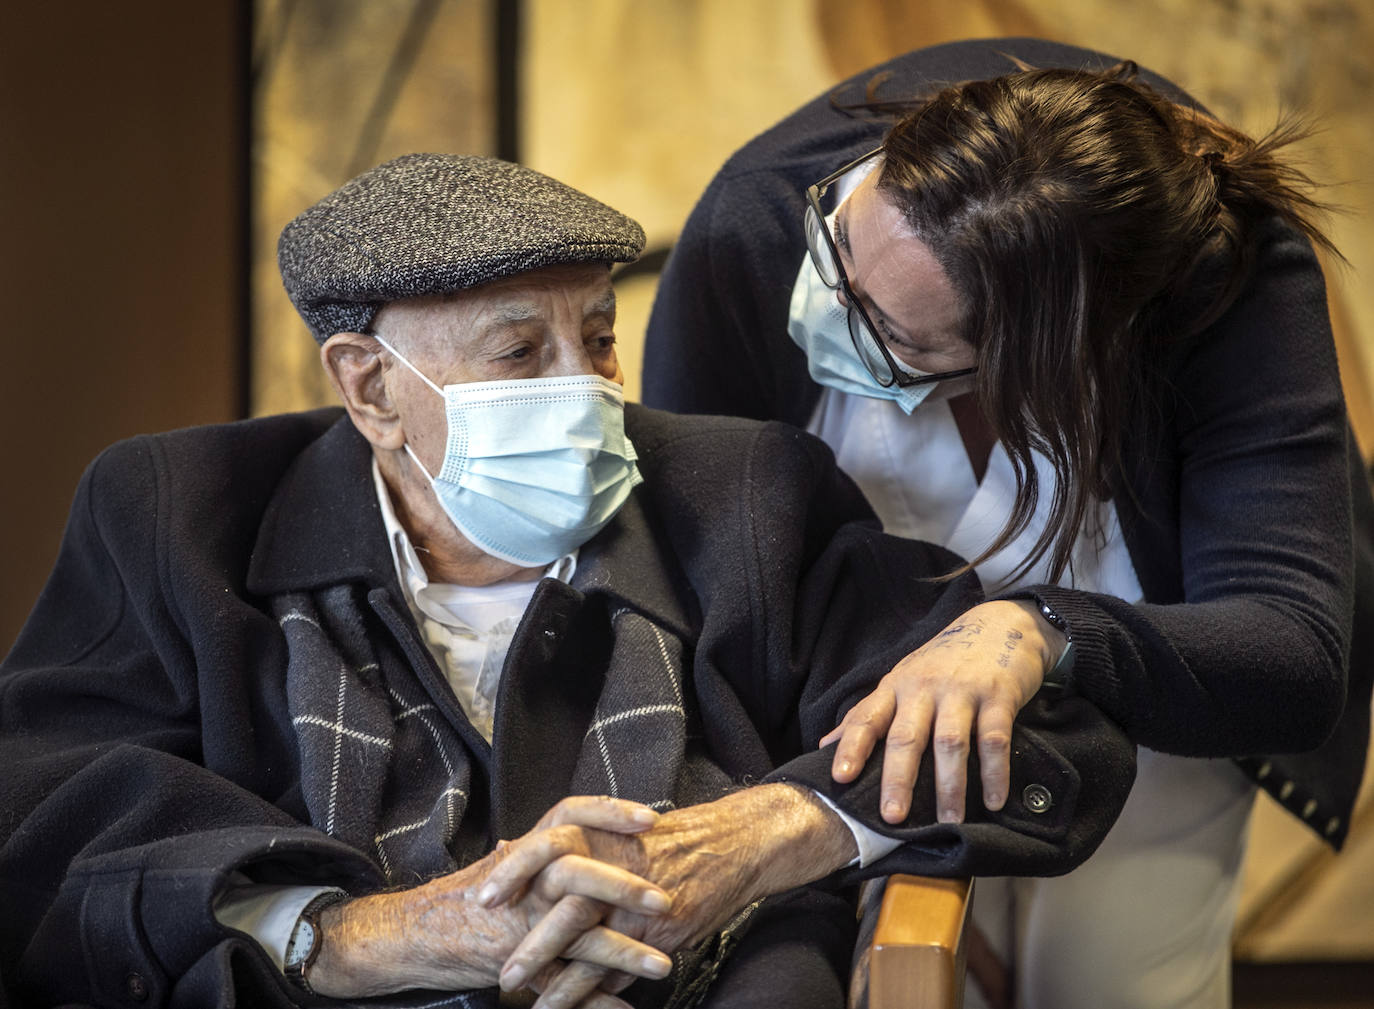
{"x":1146,"y":922}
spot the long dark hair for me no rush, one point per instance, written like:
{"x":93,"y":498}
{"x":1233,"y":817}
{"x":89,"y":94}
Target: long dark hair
{"x":1075,"y":212}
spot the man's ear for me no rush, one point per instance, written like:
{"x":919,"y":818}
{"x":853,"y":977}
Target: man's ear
{"x":355,"y":370}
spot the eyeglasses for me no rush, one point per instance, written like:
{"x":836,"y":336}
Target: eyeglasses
{"x":825,"y":256}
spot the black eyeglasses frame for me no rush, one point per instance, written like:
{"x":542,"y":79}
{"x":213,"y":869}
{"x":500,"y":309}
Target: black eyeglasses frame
{"x":861,"y":325}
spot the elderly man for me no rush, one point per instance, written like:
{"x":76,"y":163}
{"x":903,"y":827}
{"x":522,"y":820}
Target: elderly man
{"x":292,"y":679}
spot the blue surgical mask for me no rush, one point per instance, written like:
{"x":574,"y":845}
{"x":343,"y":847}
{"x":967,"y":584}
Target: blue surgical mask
{"x":819,"y":325}
{"x":535,"y":467}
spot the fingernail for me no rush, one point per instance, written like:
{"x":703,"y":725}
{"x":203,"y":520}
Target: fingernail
{"x":487,"y":895}
{"x":948,"y":816}
{"x":891,"y":810}
{"x":512,"y":977}
{"x":656,"y":966}
{"x":846,"y":767}
{"x":994,"y":801}
{"x":645,"y":816}
{"x":656,"y":901}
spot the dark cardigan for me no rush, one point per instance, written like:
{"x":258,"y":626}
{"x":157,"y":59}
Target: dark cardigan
{"x":1238,"y":515}
{"x":147,"y":746}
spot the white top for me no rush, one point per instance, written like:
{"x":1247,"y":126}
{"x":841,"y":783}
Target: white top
{"x":468,"y":629}
{"x":916,"y":474}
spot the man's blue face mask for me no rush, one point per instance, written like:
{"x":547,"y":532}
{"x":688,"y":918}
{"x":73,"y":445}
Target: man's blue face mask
{"x":533,"y":468}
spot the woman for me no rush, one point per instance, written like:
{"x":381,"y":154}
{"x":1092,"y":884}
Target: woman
{"x":1064,"y":322}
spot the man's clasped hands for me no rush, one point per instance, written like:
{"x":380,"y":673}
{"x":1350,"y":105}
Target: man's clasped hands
{"x":585,"y":902}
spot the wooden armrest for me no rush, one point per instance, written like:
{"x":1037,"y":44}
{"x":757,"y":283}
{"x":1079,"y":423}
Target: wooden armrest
{"x":918,"y":952}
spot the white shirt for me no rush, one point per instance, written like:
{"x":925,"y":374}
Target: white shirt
{"x":916,"y":474}
{"x":468,"y":629}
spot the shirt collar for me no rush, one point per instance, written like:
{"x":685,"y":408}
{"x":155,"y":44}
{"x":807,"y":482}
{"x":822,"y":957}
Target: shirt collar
{"x":410,"y":572}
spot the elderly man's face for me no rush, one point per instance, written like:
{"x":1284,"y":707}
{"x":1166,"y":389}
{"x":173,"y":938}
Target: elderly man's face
{"x":544,"y":323}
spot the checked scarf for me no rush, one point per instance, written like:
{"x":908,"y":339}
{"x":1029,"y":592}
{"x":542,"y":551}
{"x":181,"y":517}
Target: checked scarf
{"x":384,"y":770}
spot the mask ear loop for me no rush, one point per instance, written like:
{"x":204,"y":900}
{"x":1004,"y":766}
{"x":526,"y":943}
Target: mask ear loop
{"x":400,"y":357}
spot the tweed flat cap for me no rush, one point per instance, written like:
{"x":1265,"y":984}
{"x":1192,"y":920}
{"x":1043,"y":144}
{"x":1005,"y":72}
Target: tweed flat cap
{"x":435,"y":223}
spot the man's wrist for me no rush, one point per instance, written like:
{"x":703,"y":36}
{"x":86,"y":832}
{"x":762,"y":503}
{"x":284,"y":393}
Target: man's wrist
{"x":870,"y":843}
{"x":802,"y":839}
{"x":366,"y":949}
{"x":418,"y":938}
{"x":303,"y":946}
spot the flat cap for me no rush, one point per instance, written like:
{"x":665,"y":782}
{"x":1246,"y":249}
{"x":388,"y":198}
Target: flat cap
{"x":435,"y":223}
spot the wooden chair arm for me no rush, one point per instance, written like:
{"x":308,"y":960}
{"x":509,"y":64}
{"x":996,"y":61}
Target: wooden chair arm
{"x":917,"y":957}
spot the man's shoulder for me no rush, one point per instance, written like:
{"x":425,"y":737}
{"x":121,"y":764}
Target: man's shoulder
{"x":723,"y":462}
{"x":250,"y":445}
{"x":207,"y":470}
{"x":285,"y":430}
{"x":655,"y":432}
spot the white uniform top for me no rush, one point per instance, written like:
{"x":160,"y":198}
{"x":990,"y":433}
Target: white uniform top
{"x":916,"y":474}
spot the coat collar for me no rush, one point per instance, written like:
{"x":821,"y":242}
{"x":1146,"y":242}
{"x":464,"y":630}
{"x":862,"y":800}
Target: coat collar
{"x":631,"y":566}
{"x":324,"y":527}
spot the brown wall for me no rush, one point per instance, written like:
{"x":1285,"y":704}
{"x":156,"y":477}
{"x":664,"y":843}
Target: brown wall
{"x":122,"y":204}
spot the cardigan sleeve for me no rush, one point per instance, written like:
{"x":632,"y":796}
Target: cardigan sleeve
{"x":116,"y":835}
{"x":1244,"y":646}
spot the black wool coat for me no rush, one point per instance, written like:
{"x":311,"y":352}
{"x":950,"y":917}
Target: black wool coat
{"x":147,"y":742}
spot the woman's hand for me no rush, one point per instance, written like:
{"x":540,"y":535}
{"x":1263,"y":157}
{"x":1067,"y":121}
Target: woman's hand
{"x":979,"y":671}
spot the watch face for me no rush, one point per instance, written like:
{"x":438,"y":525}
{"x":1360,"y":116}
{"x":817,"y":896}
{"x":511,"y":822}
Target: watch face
{"x":302,"y":942}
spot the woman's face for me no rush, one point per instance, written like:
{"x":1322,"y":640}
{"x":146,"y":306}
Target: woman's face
{"x":905,"y":290}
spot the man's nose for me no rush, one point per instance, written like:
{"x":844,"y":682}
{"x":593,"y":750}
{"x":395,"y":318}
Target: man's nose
{"x":571,"y":358}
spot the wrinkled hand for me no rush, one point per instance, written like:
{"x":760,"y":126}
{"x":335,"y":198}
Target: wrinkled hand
{"x":440,"y":935}
{"x":980,"y":670}
{"x":712,"y":860}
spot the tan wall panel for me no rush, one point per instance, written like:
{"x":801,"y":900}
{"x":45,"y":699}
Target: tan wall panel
{"x":344,"y":85}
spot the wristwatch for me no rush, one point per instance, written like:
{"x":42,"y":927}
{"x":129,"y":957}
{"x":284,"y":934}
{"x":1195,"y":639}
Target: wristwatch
{"x":304,"y":944}
{"x":1059,"y":674}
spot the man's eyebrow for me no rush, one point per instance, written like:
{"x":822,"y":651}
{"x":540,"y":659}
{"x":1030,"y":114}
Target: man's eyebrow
{"x":514,"y":312}
{"x":604,"y":305}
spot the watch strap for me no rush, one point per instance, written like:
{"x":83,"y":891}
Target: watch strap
{"x":1060,"y":673}
{"x":296,"y":965}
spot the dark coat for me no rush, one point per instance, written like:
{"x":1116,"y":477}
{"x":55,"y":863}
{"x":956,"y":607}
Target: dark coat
{"x":148,"y":748}
{"x":1237,"y":502}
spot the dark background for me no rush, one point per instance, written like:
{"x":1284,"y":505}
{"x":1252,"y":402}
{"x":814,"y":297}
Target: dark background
{"x":124,"y":206}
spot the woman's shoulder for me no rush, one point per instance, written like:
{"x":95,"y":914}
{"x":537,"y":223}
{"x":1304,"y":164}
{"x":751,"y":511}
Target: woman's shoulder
{"x":831,"y":128}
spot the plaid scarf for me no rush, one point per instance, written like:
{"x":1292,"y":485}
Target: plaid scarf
{"x":383,"y":769}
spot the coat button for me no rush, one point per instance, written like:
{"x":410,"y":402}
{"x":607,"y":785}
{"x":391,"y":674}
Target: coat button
{"x":1037,"y":798}
{"x":137,"y":987}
